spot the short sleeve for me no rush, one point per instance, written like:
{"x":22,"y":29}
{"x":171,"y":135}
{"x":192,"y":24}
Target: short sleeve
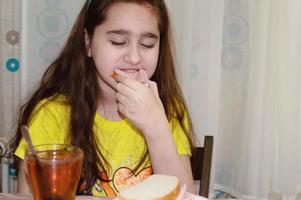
{"x":48,"y":125}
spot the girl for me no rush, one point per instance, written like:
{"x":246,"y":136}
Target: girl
{"x":112,"y":92}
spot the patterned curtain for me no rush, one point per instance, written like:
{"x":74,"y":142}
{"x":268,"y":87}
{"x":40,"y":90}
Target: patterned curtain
{"x":10,"y":64}
{"x":44,"y":26}
{"x":258,"y":154}
{"x":32,"y":33}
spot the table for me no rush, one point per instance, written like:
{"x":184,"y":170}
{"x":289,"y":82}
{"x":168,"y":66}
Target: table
{"x":6,"y":196}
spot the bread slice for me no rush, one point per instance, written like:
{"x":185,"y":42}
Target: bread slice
{"x":154,"y":187}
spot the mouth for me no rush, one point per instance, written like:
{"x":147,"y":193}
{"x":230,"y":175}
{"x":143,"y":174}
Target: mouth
{"x":129,"y":70}
{"x":138,"y":74}
{"x":132,"y":73}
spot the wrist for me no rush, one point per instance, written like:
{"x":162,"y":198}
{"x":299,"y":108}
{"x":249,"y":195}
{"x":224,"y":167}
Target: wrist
{"x":157,"y":131}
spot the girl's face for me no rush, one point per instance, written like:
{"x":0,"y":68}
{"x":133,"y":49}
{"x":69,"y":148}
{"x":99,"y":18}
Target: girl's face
{"x":128,"y":40}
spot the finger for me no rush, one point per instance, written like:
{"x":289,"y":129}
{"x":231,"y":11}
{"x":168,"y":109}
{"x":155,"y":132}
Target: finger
{"x":153,"y":87}
{"x":120,"y":77}
{"x":121,"y":108}
{"x":142,"y":76}
{"x":122,"y":99}
{"x":125,"y":90}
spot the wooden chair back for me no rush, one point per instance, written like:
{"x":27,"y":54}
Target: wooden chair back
{"x":201,"y":165}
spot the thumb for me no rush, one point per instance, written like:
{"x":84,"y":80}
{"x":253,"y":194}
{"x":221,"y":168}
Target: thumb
{"x":142,"y":76}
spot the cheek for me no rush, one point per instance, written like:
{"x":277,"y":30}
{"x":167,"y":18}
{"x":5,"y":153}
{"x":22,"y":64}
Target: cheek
{"x":152,"y":64}
{"x":104,"y":59}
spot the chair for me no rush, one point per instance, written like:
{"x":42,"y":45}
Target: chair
{"x":201,"y":165}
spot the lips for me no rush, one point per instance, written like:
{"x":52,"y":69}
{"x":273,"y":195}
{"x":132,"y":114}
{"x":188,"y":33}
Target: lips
{"x":132,"y":73}
{"x":129,"y":70}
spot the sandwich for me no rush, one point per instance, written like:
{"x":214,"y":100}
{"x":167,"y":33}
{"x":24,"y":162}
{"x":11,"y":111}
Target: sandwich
{"x":154,"y":187}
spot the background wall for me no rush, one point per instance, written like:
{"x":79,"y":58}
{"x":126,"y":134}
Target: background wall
{"x":45,"y":26}
{"x":198,"y":31}
{"x":32,"y":33}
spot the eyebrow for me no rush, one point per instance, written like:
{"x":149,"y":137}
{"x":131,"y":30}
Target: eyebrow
{"x":126,"y":32}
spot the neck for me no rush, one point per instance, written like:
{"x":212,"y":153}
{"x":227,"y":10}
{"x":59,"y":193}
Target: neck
{"x":107,"y":105}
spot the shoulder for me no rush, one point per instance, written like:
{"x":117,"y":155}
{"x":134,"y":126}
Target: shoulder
{"x":56,"y":106}
{"x":48,"y":123}
{"x":54,"y":102}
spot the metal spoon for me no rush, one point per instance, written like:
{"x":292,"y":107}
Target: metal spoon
{"x":41,"y":178}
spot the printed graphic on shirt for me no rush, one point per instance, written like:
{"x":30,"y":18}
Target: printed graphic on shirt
{"x":123,"y":178}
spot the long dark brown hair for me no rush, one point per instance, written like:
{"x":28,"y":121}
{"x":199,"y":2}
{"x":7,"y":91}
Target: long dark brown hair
{"x":74,"y":75}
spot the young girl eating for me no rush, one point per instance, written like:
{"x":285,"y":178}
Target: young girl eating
{"x":113,"y":92}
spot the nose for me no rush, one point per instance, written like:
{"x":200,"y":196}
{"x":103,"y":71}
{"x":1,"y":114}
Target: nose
{"x":133,"y":55}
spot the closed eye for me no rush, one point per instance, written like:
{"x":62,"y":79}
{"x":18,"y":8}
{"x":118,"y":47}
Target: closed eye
{"x":117,"y":43}
{"x":148,"y":46}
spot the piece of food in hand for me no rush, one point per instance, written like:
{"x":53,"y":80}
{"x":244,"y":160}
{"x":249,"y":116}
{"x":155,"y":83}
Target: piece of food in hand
{"x":114,"y":74}
{"x":154,"y":187}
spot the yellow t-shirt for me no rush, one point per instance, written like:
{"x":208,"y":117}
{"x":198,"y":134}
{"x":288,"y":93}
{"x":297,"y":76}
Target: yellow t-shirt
{"x":120,"y":142}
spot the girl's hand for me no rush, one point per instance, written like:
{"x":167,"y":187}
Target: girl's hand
{"x":139,"y":101}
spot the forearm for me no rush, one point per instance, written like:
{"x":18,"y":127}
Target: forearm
{"x":166,"y":160}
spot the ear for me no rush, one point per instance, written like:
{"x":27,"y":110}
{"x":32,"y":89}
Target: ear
{"x":88,"y":44}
